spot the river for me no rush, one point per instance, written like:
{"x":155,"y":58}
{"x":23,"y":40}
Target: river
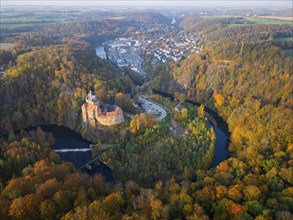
{"x":100,"y":51}
{"x":66,"y":138}
{"x":221,"y":130}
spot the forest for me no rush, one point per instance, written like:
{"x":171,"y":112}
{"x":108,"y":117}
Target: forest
{"x":246,"y":78}
{"x":52,"y":87}
{"x":147,"y":158}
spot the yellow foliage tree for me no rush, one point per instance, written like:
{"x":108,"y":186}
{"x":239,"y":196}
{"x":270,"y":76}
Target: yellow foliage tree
{"x":200,"y":111}
{"x":184,"y":113}
{"x":252,"y":193}
{"x":219,"y":100}
{"x":142,"y":121}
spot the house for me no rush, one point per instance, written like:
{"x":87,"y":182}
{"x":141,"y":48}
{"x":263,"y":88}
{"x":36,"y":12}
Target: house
{"x":180,"y":107}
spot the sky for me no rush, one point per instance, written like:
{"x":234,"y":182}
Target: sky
{"x":198,"y":3}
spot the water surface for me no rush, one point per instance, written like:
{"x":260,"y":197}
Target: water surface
{"x":100,"y":51}
{"x":65,"y":138}
{"x":221,"y":130}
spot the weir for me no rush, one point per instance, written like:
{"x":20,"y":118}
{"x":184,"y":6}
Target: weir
{"x":72,"y":150}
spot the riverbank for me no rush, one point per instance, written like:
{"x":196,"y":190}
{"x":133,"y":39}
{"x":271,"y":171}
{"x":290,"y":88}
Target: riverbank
{"x":66,"y":138}
{"x":221,"y":130}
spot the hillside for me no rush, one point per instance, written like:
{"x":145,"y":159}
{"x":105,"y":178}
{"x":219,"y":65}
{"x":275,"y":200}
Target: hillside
{"x":51,"y":87}
{"x":243,"y":74}
{"x":148,"y":18}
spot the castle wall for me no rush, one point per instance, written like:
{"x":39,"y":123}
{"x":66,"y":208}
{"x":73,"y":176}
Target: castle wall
{"x":112,"y":118}
{"x":84,"y":114}
{"x":90,"y":115}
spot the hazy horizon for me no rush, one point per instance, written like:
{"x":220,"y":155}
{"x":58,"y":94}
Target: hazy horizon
{"x":198,"y":4}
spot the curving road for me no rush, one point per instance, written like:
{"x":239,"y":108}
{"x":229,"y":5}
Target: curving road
{"x":148,"y":102}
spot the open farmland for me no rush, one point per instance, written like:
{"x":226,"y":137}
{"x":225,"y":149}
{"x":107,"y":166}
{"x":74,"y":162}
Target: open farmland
{"x":255,"y":20}
{"x":277,"y":18}
{"x":24,"y":21}
{"x":211,"y":17}
{"x":6,"y":46}
{"x":260,"y":20}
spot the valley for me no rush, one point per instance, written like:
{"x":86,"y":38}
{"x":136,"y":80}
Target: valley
{"x":146,"y":111}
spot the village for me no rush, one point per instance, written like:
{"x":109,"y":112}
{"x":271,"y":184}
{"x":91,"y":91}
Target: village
{"x":130,"y":53}
{"x":174,"y":48}
{"x":124,"y":53}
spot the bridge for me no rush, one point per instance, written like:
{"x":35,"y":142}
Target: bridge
{"x":99,"y":158}
{"x":128,"y":115}
{"x":72,"y":150}
{"x":89,"y":162}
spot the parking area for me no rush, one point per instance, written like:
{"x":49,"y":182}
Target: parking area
{"x":152,"y":107}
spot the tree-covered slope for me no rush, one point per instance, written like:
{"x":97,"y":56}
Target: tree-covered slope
{"x":249,"y":85}
{"x":52,"y":83}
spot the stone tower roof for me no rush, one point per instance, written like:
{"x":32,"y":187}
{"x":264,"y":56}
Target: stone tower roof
{"x":91,"y":98}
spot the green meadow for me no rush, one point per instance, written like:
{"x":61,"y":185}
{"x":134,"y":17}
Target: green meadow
{"x":267,"y":21}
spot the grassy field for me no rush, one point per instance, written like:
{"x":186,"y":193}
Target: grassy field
{"x":9,"y":26}
{"x":6,"y":46}
{"x":13,"y":22}
{"x":211,"y":17}
{"x":19,"y":20}
{"x":256,"y":20}
{"x":117,"y":18}
{"x":278,"y":18}
{"x":267,"y":21}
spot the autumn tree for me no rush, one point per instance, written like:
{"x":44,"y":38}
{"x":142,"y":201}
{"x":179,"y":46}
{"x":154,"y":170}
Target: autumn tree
{"x":141,"y":122}
{"x":200,"y":111}
{"x":125,"y":102}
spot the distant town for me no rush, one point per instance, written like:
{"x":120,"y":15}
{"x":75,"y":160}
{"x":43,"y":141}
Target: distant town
{"x":131,"y":52}
{"x":124,"y":53}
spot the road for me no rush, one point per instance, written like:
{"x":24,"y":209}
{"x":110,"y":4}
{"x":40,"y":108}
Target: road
{"x":175,"y":127}
{"x":148,"y":102}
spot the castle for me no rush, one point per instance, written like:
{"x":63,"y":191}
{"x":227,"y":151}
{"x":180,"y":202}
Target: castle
{"x":94,"y":112}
